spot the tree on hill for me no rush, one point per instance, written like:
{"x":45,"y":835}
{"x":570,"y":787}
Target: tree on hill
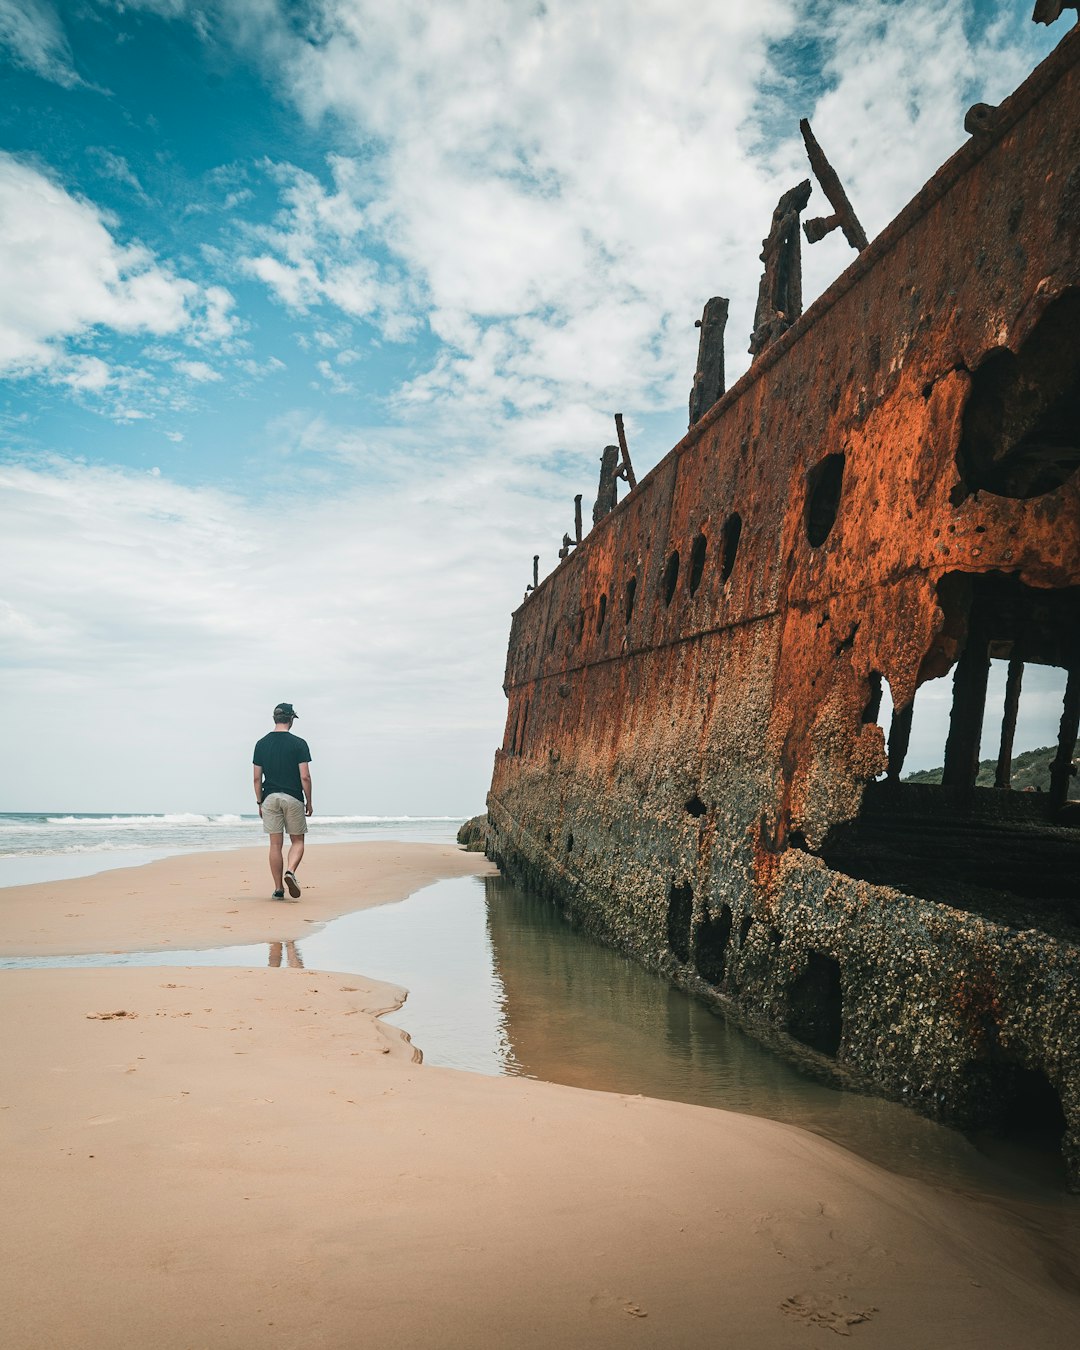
{"x":1030,"y":769}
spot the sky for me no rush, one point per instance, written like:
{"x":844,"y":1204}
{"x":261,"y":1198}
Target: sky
{"x":313,"y":318}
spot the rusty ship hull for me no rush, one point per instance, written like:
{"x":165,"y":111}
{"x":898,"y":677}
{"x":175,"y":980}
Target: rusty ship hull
{"x":692,"y":764}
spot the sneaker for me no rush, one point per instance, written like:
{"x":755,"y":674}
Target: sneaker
{"x":278,"y":895}
{"x":291,"y":882}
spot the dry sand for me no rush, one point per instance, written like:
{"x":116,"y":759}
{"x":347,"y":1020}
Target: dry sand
{"x":221,"y":1158}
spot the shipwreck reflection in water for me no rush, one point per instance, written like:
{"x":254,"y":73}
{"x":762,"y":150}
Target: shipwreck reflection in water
{"x":576,"y":1012}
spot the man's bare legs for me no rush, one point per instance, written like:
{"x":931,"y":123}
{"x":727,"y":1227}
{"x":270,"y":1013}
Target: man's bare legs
{"x":276,"y":864}
{"x":296,"y":851}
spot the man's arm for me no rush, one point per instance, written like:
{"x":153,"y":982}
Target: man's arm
{"x":257,"y":775}
{"x":305,"y":779}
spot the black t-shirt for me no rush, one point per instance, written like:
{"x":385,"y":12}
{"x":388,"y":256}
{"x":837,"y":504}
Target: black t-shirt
{"x":279,"y":754}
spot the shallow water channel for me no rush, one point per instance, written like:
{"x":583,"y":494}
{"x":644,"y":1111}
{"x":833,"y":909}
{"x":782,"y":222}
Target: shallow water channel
{"x":499,"y":982}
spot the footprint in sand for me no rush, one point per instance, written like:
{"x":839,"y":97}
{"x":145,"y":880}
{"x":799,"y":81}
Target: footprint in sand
{"x":836,"y":1313}
{"x":606,"y":1302}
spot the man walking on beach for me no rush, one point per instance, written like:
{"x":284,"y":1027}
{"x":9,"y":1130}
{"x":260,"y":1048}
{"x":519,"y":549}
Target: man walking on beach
{"x":283,"y":793}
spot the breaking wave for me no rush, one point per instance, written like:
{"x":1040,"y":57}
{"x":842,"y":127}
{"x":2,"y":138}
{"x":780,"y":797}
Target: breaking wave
{"x":33,"y":834}
{"x":177,"y":818}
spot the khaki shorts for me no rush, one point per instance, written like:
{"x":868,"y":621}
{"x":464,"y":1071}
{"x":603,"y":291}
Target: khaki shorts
{"x":281,"y":812}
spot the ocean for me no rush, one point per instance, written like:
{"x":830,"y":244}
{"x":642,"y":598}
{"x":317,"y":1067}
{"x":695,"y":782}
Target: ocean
{"x":46,"y":846}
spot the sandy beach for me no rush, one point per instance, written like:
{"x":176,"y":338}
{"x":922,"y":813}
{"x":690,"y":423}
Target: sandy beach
{"x":233,"y":1158}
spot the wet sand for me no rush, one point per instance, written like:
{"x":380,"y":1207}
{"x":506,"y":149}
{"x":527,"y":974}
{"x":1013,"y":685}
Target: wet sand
{"x":216,"y":899}
{"x":225,"y":1158}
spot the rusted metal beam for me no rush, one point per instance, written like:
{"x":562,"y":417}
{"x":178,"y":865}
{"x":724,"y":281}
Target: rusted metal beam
{"x":625,"y":469}
{"x":1049,"y":11}
{"x":843,"y":212}
{"x":980,"y":118}
{"x":1062,"y":769}
{"x":899,"y":739}
{"x":1003,"y":776}
{"x":709,"y":376}
{"x":780,"y":290}
{"x":607,"y":495}
{"x":969,"y":704}
{"x":567,"y":542}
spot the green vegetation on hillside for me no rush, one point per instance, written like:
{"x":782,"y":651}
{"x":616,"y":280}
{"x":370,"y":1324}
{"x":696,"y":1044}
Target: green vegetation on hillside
{"x":1029,"y":769}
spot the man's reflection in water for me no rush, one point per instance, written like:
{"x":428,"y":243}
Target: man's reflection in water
{"x":292,"y":956}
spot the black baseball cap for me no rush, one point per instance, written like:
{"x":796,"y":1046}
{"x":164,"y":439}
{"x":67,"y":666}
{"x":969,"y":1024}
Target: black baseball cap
{"x":284,"y":711}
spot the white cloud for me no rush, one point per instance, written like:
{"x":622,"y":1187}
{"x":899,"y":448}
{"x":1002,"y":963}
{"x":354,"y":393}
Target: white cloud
{"x":62,"y":273}
{"x":116,"y":167}
{"x":260,"y":369}
{"x":335,"y":381}
{"x":213,"y":320}
{"x":34,"y":37}
{"x":88,"y":373}
{"x":315,"y":252}
{"x":239,"y":197}
{"x":198,"y":371}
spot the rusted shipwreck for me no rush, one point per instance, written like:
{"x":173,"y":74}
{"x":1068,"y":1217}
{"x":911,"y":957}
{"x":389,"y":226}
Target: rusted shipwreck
{"x":693,"y":764}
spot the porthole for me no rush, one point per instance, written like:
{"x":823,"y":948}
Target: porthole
{"x":697,"y":562}
{"x":631,"y":591}
{"x":1020,"y":435}
{"x":671,"y":576}
{"x":731,"y":533}
{"x":824,"y":483}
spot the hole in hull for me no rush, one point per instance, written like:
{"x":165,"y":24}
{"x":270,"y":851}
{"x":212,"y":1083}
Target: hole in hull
{"x":732,"y":532}
{"x":679,"y":913}
{"x":816,"y":1005}
{"x":824,"y":484}
{"x":671,"y":577}
{"x":713,"y":936}
{"x":697,"y":562}
{"x":1021,"y":427}
{"x":1022,"y":1118}
{"x":992,"y":829}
